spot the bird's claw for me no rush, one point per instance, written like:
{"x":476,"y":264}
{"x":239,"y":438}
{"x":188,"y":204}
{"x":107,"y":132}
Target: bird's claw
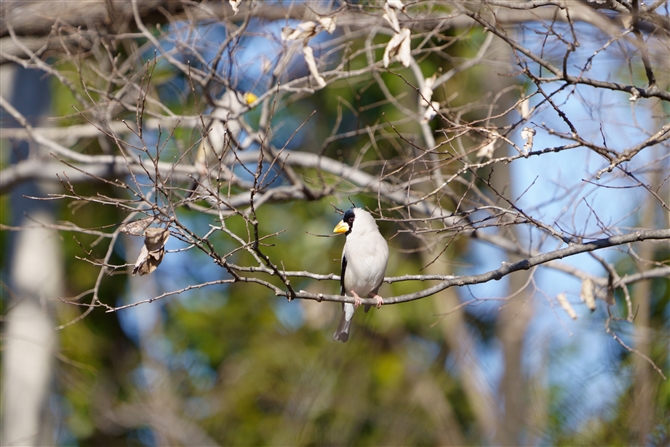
{"x":379,"y":300}
{"x":357,"y":299}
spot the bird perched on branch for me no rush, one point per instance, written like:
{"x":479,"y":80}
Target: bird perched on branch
{"x":364,"y":260}
{"x":221,"y":133}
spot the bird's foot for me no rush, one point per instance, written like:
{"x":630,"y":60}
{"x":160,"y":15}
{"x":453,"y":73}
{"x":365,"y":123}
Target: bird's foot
{"x":379,"y":300}
{"x":357,"y":299}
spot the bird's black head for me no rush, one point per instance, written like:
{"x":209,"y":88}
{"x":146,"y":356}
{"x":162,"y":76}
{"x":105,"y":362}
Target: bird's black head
{"x":349,"y":218}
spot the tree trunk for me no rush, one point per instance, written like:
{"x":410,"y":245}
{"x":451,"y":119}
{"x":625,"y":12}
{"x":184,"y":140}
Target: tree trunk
{"x":35,"y":276}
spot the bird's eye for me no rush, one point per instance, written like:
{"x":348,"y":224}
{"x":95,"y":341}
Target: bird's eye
{"x":350,"y":221}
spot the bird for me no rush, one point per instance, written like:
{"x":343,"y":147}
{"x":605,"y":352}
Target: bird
{"x":364,"y":259}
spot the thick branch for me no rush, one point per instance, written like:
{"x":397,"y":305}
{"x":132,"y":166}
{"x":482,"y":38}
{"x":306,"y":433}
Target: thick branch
{"x":504,"y":270}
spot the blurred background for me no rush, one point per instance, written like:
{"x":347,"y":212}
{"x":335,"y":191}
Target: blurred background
{"x":223,"y":362}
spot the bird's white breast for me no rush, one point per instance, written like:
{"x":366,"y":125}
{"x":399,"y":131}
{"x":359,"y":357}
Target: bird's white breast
{"x":367,"y":256}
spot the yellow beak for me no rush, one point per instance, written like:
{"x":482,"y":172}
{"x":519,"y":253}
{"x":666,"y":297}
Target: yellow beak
{"x":341,"y":227}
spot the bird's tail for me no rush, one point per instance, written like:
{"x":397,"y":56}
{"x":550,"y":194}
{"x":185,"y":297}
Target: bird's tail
{"x":342,"y":332}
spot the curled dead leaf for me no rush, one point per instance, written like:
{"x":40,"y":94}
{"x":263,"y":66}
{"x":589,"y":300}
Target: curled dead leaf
{"x":327,"y":23}
{"x":430,"y":112}
{"x":565,"y":304}
{"x":399,"y":46}
{"x":427,"y":89}
{"x":587,"y":294}
{"x":528,"y":134}
{"x":391,"y":17}
{"x":304,"y":30}
{"x":136,"y":227}
{"x":151,"y":254}
{"x":395,"y":4}
{"x":235,"y":4}
{"x":155,"y":238}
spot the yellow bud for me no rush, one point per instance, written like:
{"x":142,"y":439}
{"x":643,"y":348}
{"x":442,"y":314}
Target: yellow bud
{"x":250,"y":98}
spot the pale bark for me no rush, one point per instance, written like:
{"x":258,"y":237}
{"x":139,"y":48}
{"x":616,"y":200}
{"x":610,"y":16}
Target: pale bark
{"x":35,"y":279}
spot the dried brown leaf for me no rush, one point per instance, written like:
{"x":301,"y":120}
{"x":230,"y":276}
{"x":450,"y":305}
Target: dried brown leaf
{"x":587,"y":294}
{"x":565,"y":304}
{"x":136,"y":227}
{"x":151,"y":254}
